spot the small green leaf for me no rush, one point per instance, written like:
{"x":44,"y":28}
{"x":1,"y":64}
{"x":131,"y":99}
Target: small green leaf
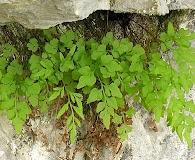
{"x":87,"y":89}
{"x":73,"y":134}
{"x":189,"y":106}
{"x":115,"y":44}
{"x":115,"y":53}
{"x":179,"y":131}
{"x":101,"y":106}
{"x":105,"y":59}
{"x":183,"y":42}
{"x":77,"y":121}
{"x":3,"y":63}
{"x":158,"y":112}
{"x":54,"y":96}
{"x":164,"y":37}
{"x":101,"y":48}
{"x":71,"y":52}
{"x":50,"y":33}
{"x":188,"y":138}
{"x":24,"y":108}
{"x":62,"y":59}
{"x":11,"y":114}
{"x":113,"y":66}
{"x":170,"y":30}
{"x":117,"y":119}
{"x":33,"y":45}
{"x":177,"y":119}
{"x":109,"y":111}
{"x":33,"y":99}
{"x":75,"y":74}
{"x":67,"y":65}
{"x":111,"y":102}
{"x":115,"y":91}
{"x":122,"y":49}
{"x":78,"y":95}
{"x":34,"y":59}
{"x":156,"y":57}
{"x":44,"y":107}
{"x":18,"y":124}
{"x":96,"y":54}
{"x":123,"y":136}
{"x":125,"y":66}
{"x":82,"y":82}
{"x":69,"y":120}
{"x":7,"y":104}
{"x":15,"y":68}
{"x":79,"y":111}
{"x":9,"y":50}
{"x":110,"y":35}
{"x":130,"y":112}
{"x":106,"y":121}
{"x":95,"y":95}
{"x":52,"y":46}
{"x":168,"y":44}
{"x":40,"y":73}
{"x":62,"y":110}
{"x":120,"y":130}
{"x":106,"y":73}
{"x":53,"y":79}
{"x":136,"y":99}
{"x":148,"y":88}
{"x":44,"y":55}
{"x":189,"y":120}
{"x":70,"y":127}
{"x":107,"y":90}
{"x":120,"y":102}
{"x":33,"y":89}
{"x":163,"y":47}
{"x":46,"y":63}
{"x":70,"y":34}
{"x":79,"y":103}
{"x":86,"y":80}
{"x":84,"y":70}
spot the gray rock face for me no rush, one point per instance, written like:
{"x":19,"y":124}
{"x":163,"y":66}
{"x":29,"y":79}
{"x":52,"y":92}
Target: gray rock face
{"x":146,"y":144}
{"x":47,"y":13}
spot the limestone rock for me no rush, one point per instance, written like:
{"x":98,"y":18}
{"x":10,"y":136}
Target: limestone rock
{"x":144,"y":143}
{"x":47,"y":13}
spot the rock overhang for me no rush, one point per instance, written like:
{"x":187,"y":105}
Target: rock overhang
{"x":43,"y":14}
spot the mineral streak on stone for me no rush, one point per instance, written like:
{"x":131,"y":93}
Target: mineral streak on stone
{"x":47,"y":13}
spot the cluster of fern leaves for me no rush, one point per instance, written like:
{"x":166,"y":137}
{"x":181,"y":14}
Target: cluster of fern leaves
{"x":83,"y":72}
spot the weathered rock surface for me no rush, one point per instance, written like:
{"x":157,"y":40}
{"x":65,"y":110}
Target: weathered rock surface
{"x":46,"y":13}
{"x":146,"y":144}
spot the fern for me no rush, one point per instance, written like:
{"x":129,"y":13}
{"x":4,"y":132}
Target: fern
{"x":84,"y":72}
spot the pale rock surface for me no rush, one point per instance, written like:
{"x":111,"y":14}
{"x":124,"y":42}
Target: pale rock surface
{"x":47,"y":13}
{"x":146,"y":144}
